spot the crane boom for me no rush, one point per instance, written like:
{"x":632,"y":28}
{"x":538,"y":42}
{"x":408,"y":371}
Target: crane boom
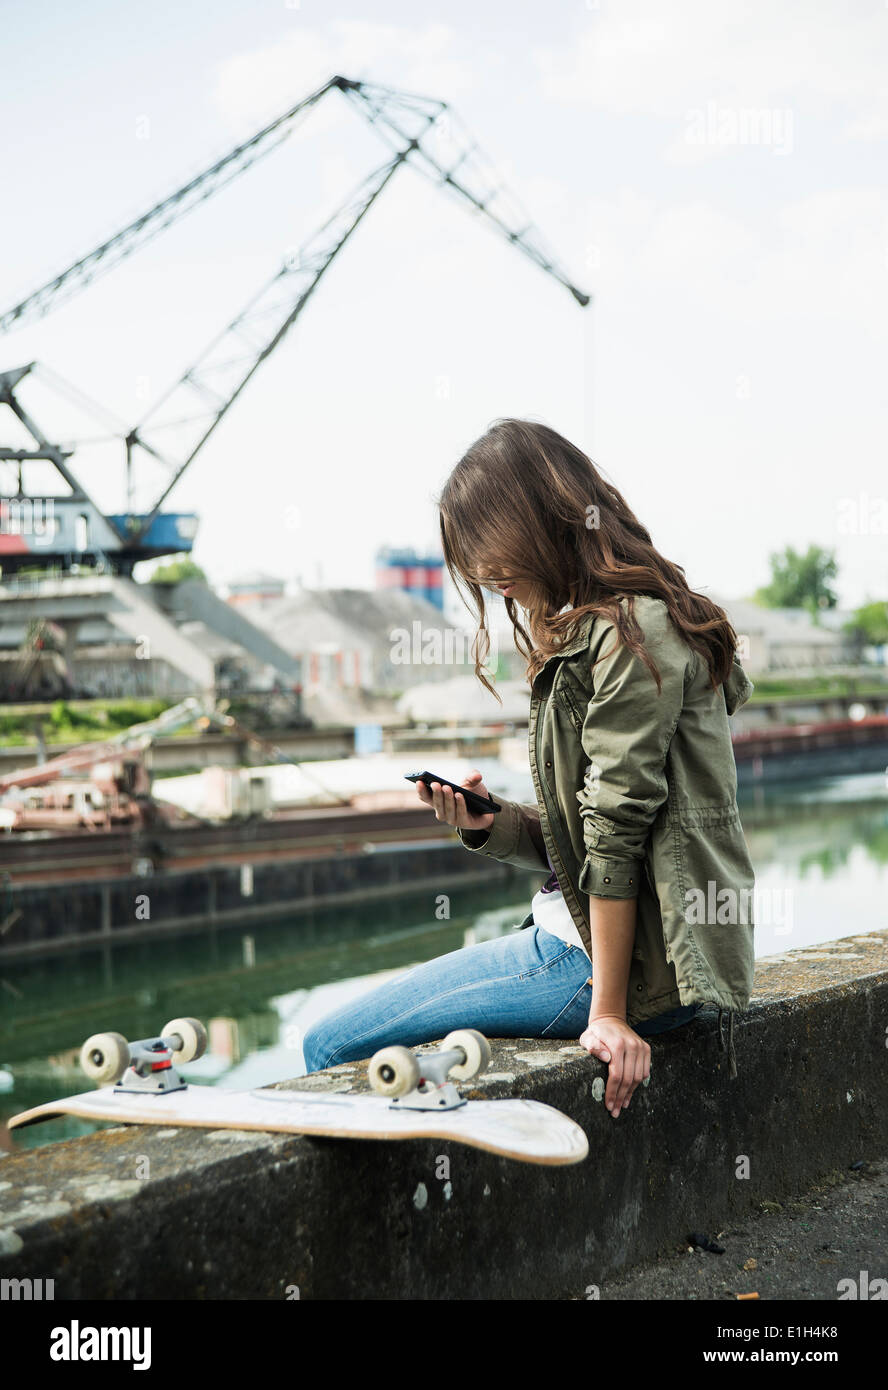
{"x":209,"y":388}
{"x":382,"y":105}
{"x":423,"y":130}
{"x":214,"y":382}
{"x":161,"y":216}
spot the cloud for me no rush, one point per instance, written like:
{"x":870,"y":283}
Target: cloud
{"x":813,"y":55}
{"x":816,"y":258}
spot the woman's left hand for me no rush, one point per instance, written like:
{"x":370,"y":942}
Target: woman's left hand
{"x":611,"y":1040}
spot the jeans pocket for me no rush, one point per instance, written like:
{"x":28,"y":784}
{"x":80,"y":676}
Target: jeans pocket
{"x":563,"y":948}
{"x":565,"y":1022}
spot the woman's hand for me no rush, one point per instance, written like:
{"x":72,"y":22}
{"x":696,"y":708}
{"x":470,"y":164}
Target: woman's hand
{"x":451,"y":808}
{"x":611,"y":1040}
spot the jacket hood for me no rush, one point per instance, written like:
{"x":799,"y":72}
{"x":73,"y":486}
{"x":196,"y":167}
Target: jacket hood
{"x":738,"y":687}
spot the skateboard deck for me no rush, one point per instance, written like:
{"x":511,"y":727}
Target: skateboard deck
{"x":526,"y":1130}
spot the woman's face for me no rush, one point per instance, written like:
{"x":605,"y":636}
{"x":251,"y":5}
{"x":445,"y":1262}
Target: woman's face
{"x":518,"y":589}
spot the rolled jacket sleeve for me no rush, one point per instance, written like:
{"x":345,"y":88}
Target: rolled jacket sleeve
{"x":626,"y":735}
{"x":515,"y":837}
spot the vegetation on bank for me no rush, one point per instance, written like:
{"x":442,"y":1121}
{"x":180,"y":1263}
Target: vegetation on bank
{"x":77,"y":721}
{"x":771,"y":687}
{"x":176,"y":571}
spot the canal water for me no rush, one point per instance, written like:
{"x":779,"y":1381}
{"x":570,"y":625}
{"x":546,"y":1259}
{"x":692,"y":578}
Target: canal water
{"x":820,"y":849}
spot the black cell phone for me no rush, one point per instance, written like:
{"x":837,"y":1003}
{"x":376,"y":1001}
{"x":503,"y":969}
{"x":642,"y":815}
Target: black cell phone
{"x":478,"y":805}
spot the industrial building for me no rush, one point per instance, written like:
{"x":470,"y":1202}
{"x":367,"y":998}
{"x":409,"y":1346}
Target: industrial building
{"x":370,"y":639}
{"x":108,"y":636}
{"x":787,"y":639}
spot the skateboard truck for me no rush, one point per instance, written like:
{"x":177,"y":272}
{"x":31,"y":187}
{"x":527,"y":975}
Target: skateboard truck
{"x":144,"y":1067}
{"x":420,"y":1081}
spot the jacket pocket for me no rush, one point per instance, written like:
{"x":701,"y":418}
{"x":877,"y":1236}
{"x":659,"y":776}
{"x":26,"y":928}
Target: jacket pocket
{"x":715,"y":872}
{"x":569,"y":701}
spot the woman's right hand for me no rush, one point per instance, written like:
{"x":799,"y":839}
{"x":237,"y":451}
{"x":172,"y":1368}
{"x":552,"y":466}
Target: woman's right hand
{"x":451,"y":808}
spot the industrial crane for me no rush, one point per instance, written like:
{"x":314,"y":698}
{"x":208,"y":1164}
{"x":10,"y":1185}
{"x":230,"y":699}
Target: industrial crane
{"x":418,"y":130}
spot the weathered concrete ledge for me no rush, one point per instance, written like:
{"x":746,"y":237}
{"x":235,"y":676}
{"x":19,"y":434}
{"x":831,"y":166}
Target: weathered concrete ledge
{"x":245,"y":1215}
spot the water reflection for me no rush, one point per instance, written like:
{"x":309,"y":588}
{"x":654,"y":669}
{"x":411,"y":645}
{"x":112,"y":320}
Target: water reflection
{"x":820,"y":848}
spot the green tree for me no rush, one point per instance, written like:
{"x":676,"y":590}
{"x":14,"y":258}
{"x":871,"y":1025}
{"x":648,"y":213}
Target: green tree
{"x":869,"y":626}
{"x":176,"y":571}
{"x":801,"y":581}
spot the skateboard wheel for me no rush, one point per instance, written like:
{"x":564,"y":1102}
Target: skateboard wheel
{"x":193,"y":1035}
{"x":394,"y":1071}
{"x":477,"y":1050}
{"x":105,"y":1056}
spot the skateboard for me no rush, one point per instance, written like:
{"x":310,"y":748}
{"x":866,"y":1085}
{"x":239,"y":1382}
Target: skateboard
{"x":416,"y":1097}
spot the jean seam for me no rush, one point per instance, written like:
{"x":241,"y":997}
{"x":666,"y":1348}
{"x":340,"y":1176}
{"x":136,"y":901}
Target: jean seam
{"x":568,"y":1005}
{"x":398,"y":1017}
{"x":547,"y":965}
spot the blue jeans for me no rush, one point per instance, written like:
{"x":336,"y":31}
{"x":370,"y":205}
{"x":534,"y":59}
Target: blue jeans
{"x":526,"y":984}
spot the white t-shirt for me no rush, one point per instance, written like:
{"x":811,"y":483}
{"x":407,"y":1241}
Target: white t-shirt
{"x":552,"y":913}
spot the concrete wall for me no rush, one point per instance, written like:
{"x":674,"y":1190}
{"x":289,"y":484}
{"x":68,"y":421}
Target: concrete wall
{"x":236,"y":1215}
{"x":137,"y":616}
{"x":196,"y":600}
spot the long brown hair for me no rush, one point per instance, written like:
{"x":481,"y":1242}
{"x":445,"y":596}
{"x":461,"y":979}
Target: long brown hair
{"x":526,"y":504}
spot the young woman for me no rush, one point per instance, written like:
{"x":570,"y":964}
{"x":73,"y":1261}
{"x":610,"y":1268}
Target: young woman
{"x":645,"y":915}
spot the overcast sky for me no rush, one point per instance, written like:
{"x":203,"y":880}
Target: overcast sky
{"x":713,"y":173}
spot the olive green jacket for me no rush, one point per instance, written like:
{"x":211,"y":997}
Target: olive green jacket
{"x":636,"y":798}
